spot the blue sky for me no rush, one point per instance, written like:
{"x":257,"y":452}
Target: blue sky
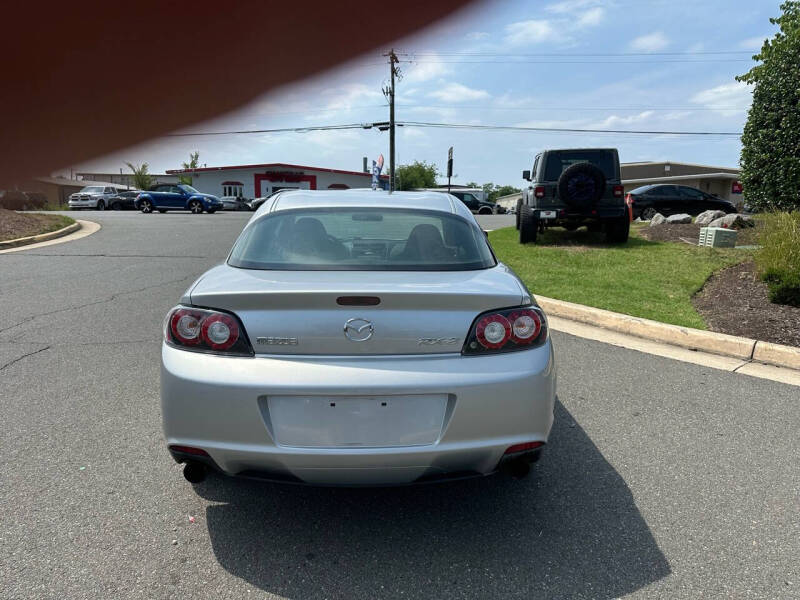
{"x":489,"y":65}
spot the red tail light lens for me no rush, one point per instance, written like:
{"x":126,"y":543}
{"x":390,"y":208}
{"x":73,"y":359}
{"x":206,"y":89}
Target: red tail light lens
{"x":618,"y":191}
{"x":204,"y":330}
{"x":538,"y":191}
{"x":506,"y":330}
{"x":523,"y":447}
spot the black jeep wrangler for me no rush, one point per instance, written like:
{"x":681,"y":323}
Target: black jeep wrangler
{"x":570,"y":188}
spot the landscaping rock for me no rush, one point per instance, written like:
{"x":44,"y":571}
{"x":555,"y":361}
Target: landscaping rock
{"x":682,"y":218}
{"x":735,"y":221}
{"x":704,"y":218}
{"x":657,"y":219}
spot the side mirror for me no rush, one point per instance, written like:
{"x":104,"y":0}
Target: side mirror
{"x":486,"y":234}
{"x":526,"y":175}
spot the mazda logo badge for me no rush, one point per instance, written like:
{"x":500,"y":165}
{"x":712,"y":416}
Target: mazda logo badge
{"x":358,"y":330}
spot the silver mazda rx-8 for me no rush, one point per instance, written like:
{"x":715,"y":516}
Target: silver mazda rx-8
{"x":357,"y":338}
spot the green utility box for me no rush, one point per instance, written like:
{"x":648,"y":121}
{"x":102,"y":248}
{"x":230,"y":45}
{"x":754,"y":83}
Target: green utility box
{"x":717,"y":237}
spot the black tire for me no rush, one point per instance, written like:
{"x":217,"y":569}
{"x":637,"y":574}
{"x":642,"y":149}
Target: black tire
{"x":516,"y":214}
{"x":571,"y":226}
{"x":581,"y":185}
{"x":528,"y":226}
{"x":162,"y":210}
{"x":617,"y":230}
{"x":196,"y":207}
{"x":211,"y":211}
{"x":101,"y":205}
{"x":146,"y":206}
{"x":484,"y":210}
{"x":116,"y":206}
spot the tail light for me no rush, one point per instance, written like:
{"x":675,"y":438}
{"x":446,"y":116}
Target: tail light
{"x":204,"y":330}
{"x":538,"y":191}
{"x":524,"y":447}
{"x":618,"y":191}
{"x":506,"y":330}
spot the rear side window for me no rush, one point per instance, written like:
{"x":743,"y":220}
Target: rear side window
{"x":351,"y":239}
{"x":557,"y":162}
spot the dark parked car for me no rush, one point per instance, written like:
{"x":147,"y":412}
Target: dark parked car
{"x":648,"y":200}
{"x":179,"y":196}
{"x":124,"y":200}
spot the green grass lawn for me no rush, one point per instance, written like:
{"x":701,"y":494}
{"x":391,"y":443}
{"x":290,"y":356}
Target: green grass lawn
{"x":654,"y":280}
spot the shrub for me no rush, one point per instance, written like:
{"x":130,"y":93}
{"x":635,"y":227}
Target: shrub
{"x":778,"y":260}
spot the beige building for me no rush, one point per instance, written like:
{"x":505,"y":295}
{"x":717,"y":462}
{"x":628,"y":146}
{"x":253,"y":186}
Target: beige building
{"x":720,"y":181}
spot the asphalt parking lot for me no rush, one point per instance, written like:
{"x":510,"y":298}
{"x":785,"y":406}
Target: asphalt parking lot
{"x":662,"y":478}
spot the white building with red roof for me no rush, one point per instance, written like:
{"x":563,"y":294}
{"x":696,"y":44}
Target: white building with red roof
{"x":258,"y":181}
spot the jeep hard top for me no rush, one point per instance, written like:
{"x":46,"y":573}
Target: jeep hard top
{"x":574,"y":187}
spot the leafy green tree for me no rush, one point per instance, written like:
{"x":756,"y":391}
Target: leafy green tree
{"x":502,"y":190}
{"x":416,"y":175}
{"x":194,"y":162}
{"x":771,"y":140}
{"x":142,"y":180}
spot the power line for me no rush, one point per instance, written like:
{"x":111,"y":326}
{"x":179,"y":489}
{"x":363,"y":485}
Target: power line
{"x":383,"y":126}
{"x":279,"y":130}
{"x":560,"y":129}
{"x":578,"y":108}
{"x":579,"y":62}
{"x":569,"y":54}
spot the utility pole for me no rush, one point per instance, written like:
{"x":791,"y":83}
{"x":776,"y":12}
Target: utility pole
{"x":389,"y":93}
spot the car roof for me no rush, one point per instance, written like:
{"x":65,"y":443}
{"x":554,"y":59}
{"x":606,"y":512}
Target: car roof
{"x":365,"y":198}
{"x":643,"y":188}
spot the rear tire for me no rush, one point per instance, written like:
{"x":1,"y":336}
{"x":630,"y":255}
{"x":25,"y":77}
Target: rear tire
{"x":516,"y":214}
{"x":146,"y":206}
{"x":161,"y":210}
{"x":617,"y":230}
{"x":528,"y":225}
{"x":116,"y":206}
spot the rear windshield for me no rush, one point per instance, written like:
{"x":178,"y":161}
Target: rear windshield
{"x":350,"y":239}
{"x":557,"y":162}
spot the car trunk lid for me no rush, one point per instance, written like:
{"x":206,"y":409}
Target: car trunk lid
{"x":335,"y":312}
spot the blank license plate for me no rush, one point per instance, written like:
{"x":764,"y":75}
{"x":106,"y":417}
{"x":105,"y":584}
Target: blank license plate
{"x":547,"y":214}
{"x":357,"y":421}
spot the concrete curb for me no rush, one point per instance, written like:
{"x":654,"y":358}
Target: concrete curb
{"x":685,"y":337}
{"x":42,"y":237}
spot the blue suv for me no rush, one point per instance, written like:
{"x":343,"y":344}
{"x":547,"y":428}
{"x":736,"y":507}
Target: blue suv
{"x":171,"y":196}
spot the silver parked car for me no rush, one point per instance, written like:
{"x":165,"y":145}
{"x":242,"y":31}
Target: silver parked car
{"x":357,"y":338}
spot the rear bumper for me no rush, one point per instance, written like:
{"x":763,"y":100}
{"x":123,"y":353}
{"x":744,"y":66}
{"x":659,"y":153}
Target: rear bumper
{"x":220,"y":405}
{"x":567,"y":215}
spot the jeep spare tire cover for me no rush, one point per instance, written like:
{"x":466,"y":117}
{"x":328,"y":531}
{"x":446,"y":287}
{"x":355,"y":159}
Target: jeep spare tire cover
{"x":581,"y":185}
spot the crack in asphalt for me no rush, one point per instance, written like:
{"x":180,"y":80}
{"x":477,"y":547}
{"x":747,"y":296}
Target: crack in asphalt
{"x":69,"y":344}
{"x":96,"y":302}
{"x":115,"y":255}
{"x":24,"y":356}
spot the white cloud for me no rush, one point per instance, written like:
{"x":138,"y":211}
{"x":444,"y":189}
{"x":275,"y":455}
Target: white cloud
{"x":753,"y":43}
{"x":591,"y":17}
{"x":530,"y":32}
{"x":569,"y":6}
{"x":426,"y":68}
{"x":651,"y":42}
{"x":590,"y":13}
{"x":615,"y":121}
{"x":728,"y":99}
{"x":456,"y":92}
{"x":477,"y":35}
